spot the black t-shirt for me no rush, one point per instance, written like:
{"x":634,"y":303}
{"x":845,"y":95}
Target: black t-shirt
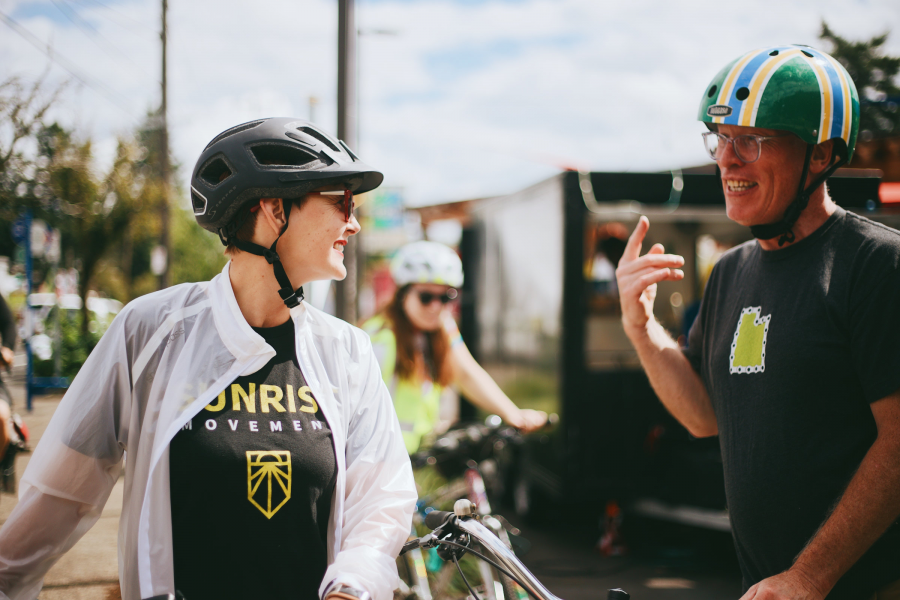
{"x":793,"y":345}
{"x":252,"y":478}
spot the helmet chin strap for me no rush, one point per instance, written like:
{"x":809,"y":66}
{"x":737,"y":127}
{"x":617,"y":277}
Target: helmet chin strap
{"x":289,"y":295}
{"x":783,"y":229}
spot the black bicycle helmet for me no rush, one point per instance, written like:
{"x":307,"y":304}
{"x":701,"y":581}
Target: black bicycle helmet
{"x":278,"y":157}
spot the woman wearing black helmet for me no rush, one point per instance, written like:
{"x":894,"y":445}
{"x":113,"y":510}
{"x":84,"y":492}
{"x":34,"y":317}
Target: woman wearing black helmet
{"x":264,"y":456}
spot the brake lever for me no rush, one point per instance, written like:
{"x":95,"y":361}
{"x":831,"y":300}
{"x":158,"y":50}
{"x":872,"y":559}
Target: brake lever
{"x":507,"y":525}
{"x":426,"y":541}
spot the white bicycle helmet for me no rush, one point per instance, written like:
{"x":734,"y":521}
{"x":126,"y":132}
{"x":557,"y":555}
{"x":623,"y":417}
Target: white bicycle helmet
{"x":427,"y":262}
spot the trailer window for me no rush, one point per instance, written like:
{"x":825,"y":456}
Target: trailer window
{"x":605,"y":244}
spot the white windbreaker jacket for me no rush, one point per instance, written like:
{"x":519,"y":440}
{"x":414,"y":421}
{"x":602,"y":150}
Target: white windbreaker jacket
{"x":163,"y":359}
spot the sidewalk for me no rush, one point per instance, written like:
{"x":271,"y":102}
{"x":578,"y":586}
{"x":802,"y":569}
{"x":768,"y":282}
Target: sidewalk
{"x":89,"y":571}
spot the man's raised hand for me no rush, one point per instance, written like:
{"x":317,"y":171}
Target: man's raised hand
{"x":638,"y":275}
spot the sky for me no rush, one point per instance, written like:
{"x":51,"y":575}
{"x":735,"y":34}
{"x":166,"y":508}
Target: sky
{"x":457,"y":98}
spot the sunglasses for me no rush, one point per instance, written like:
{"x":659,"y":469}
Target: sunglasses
{"x":347,"y":202}
{"x":427,"y":298}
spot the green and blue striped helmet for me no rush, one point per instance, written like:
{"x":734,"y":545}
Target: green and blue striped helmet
{"x":791,"y":88}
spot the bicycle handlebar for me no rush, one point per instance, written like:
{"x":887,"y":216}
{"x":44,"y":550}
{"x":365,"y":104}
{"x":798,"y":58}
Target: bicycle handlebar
{"x":436,"y":518}
{"x":445,"y":524}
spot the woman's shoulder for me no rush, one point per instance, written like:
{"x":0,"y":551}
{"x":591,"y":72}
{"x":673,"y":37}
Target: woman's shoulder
{"x":326,"y":326}
{"x":155,"y":308}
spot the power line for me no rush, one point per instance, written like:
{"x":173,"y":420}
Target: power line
{"x":98,"y":86}
{"x":95,"y":36}
{"x":135,"y":26}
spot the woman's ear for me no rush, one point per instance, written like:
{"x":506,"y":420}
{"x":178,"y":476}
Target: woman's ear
{"x":270,"y":220}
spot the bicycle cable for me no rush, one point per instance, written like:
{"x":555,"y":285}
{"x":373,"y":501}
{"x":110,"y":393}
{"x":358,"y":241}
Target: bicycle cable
{"x":489,"y":561}
{"x":466,"y":581}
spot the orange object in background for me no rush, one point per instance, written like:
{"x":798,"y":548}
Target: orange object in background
{"x":889,"y":192}
{"x":611,"y":543}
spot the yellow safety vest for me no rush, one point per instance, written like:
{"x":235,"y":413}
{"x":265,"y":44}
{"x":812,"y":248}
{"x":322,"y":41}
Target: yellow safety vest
{"x":417,"y":404}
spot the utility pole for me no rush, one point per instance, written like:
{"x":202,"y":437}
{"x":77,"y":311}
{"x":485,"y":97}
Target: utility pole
{"x":346,"y":290}
{"x":164,"y":249}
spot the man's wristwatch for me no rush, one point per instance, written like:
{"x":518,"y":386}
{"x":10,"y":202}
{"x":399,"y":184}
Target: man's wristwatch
{"x":345,"y":592}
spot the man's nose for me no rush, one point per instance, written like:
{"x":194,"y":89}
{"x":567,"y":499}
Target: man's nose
{"x":727,"y":157}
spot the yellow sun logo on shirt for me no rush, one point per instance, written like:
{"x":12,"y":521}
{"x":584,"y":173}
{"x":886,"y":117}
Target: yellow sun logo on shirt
{"x":268,"y":479}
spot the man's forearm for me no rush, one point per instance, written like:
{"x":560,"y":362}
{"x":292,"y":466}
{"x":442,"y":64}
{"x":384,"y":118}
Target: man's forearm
{"x":674,"y":380}
{"x":869,"y":505}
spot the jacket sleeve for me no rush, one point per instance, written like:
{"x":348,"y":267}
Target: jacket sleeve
{"x":380,"y":493}
{"x":72,"y":471}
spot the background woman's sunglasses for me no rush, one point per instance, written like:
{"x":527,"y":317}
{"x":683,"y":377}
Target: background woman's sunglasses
{"x":347,"y":204}
{"x":427,"y":298}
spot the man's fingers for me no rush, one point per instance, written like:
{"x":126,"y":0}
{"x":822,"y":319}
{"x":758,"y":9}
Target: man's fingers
{"x":751,"y":593}
{"x":633,"y":247}
{"x":650,"y":261}
{"x":656,"y":276}
{"x":657,"y":249}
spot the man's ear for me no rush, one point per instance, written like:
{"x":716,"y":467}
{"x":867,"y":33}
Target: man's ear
{"x":822,"y":156}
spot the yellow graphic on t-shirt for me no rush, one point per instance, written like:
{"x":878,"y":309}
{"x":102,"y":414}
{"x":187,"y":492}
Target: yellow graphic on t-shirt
{"x":748,"y":350}
{"x":266,"y":466}
{"x":270,"y":397}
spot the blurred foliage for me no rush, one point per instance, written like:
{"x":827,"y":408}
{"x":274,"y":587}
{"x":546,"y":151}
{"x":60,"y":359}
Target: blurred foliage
{"x":95,"y":212}
{"x":22,"y":111}
{"x":198,"y":254}
{"x":108,"y":216}
{"x":875,"y":76}
{"x":76,"y":346}
{"x":109,"y":220}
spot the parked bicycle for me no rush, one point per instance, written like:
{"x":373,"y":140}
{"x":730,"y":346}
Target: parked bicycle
{"x":475,"y":459}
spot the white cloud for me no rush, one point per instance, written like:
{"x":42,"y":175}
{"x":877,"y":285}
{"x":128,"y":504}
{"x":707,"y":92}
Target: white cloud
{"x":467,"y":99}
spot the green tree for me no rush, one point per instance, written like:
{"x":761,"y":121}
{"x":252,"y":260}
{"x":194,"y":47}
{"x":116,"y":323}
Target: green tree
{"x":23,"y":108}
{"x":95,"y":213}
{"x":875,"y":75}
{"x":197,"y":253}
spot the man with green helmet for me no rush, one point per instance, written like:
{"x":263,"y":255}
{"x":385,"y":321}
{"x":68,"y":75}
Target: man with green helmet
{"x":793,"y":360}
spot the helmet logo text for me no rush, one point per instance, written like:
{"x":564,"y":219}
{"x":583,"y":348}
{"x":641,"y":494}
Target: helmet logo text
{"x":719,"y":110}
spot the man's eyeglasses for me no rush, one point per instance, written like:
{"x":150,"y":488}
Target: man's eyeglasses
{"x":747,"y":147}
{"x":347,"y":202}
{"x":427,"y":298}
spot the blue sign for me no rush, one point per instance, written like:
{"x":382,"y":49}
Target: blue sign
{"x":19,"y":230}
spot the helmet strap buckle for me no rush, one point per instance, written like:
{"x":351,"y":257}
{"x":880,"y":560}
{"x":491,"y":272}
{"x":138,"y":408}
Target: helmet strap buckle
{"x":271,"y":256}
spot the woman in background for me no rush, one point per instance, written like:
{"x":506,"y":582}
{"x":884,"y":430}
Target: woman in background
{"x":421,"y":351}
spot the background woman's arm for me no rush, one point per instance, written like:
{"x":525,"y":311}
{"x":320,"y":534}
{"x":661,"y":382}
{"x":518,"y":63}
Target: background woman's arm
{"x":480,"y":387}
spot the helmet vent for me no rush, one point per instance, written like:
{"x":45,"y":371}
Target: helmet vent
{"x":773,"y":53}
{"x":742,"y":94}
{"x":805,"y":53}
{"x":198,"y":202}
{"x":281,"y":155}
{"x":712,"y":91}
{"x":215,"y":172}
{"x":349,"y":151}
{"x":319,"y":136}
{"x":232,"y":131}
